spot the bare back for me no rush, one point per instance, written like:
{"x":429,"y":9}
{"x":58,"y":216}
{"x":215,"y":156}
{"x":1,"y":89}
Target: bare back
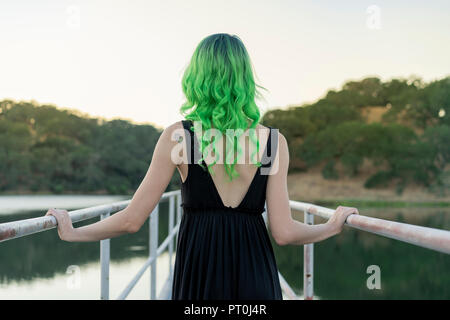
{"x":233,"y":192}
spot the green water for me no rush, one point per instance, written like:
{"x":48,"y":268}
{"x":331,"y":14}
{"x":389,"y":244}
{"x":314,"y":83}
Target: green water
{"x":340,"y":265}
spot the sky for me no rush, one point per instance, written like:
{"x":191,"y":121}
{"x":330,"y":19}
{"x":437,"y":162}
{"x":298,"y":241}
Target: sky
{"x":125,"y":58}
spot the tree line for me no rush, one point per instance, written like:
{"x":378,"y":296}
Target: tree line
{"x":410,"y":143}
{"x":44,"y":148}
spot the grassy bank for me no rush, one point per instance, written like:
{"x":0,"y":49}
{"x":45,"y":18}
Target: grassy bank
{"x":361,"y":203}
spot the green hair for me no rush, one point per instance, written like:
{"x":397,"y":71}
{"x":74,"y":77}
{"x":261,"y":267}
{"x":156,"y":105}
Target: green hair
{"x":220,"y":91}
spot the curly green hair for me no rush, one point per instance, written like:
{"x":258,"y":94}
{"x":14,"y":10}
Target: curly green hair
{"x":220,"y":92}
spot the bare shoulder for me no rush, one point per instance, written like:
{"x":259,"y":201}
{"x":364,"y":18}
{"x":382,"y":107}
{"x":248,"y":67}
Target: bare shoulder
{"x":281,"y":139}
{"x":283,"y":152}
{"x":173,"y":132}
{"x":281,"y":162}
{"x":259,"y":126}
{"x":174,"y":127}
{"x":262,"y":130}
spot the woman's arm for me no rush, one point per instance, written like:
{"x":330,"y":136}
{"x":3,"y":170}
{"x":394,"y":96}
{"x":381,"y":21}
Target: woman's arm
{"x":284,"y":229}
{"x":145,"y":199}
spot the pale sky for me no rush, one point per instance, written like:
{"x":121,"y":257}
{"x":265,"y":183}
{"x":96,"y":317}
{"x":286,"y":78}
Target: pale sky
{"x":125,"y":58}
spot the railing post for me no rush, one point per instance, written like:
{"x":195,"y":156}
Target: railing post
{"x":153,"y":246}
{"x":171,"y":220}
{"x":308,"y":263}
{"x":104,"y":264}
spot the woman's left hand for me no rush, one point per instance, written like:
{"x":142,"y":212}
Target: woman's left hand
{"x":65,"y":227}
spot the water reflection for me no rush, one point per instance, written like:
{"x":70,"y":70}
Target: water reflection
{"x":85,"y":283}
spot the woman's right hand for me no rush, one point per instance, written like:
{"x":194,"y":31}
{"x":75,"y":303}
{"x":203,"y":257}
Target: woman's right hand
{"x":65,"y":227}
{"x":339,"y":217}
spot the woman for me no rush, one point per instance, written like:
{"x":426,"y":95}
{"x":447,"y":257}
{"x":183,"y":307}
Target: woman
{"x":223,"y":249}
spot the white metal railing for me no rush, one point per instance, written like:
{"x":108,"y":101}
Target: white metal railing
{"x":430,"y":238}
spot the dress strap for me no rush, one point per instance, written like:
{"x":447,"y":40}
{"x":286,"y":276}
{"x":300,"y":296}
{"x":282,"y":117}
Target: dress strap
{"x":270,"y":151}
{"x":189,"y":138}
{"x":192,"y":144}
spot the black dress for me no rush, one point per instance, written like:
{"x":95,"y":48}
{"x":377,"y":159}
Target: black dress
{"x":223,"y":253}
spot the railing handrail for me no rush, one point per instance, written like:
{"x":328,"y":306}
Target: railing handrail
{"x":430,"y":238}
{"x":20,"y":228}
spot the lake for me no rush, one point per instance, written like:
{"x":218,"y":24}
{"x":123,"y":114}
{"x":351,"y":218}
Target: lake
{"x":41,"y":266}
